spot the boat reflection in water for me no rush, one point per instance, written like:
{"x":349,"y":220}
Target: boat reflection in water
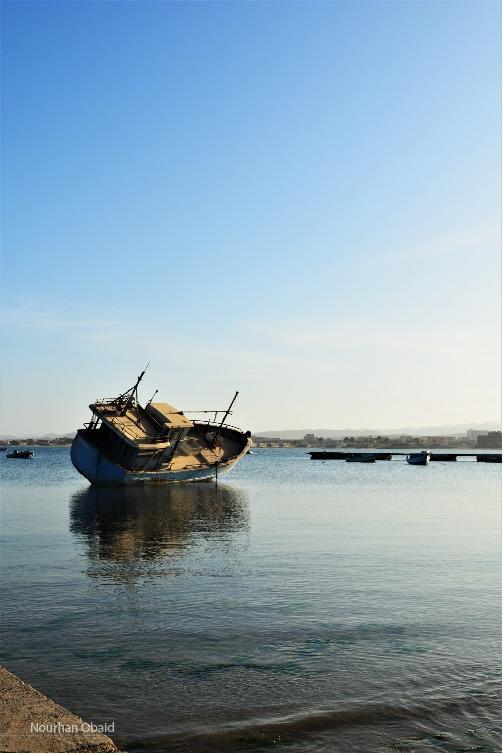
{"x":140,"y":532}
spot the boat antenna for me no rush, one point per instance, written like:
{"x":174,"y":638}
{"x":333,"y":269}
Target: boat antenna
{"x":139,"y":380}
{"x":132,"y":392}
{"x":215,"y":436}
{"x":150,"y":401}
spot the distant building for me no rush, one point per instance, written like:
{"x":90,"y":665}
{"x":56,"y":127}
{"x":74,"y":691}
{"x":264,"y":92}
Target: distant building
{"x":310,"y":439}
{"x":272,"y":442}
{"x":472,"y":436}
{"x":490,"y":440}
{"x":439,"y":441}
{"x":330,"y":442}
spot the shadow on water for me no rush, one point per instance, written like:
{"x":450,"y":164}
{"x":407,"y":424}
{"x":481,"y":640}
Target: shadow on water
{"x":133,"y":527}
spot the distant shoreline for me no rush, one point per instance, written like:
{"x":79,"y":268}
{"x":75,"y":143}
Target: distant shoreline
{"x":35,"y":444}
{"x":286,"y":445}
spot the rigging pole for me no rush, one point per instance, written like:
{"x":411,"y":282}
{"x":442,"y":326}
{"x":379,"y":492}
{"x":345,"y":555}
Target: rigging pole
{"x":132,"y":392}
{"x":215,"y":436}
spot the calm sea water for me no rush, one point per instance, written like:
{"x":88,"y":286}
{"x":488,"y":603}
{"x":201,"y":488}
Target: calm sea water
{"x":297,"y":606}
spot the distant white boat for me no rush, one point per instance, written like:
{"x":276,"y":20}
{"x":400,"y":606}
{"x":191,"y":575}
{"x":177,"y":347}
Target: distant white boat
{"x":419,"y":459}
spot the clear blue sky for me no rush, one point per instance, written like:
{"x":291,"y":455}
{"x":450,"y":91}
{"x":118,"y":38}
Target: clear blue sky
{"x":300,"y":200}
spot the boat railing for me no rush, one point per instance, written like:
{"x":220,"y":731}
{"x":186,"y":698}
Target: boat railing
{"x":212,"y":423}
{"x":217,"y":424}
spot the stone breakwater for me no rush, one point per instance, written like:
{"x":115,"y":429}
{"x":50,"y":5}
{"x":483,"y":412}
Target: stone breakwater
{"x":30,"y":722}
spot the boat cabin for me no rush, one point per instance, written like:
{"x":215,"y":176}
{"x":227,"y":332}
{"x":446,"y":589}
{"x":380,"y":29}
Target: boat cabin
{"x":139,"y":438}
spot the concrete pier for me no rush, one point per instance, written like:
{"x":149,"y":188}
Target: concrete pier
{"x":30,"y":722}
{"x":386,"y":455}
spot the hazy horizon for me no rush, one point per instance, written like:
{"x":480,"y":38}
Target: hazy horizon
{"x":300,"y":201}
{"x":323,"y":432}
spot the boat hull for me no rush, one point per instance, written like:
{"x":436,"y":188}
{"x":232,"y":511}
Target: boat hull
{"x":418,"y":459}
{"x":98,"y":469}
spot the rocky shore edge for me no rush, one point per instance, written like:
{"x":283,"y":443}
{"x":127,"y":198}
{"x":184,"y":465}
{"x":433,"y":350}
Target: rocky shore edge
{"x":30,"y":722}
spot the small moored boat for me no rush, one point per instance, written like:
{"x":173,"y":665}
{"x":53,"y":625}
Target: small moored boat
{"x":20,"y":454}
{"x":419,"y":459}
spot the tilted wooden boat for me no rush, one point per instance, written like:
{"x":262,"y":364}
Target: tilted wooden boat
{"x":125,"y":443}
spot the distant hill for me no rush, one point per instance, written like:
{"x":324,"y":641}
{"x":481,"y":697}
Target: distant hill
{"x":298,"y":434}
{"x":443,"y":429}
{"x":50,"y":436}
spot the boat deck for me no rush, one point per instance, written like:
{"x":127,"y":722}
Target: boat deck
{"x":142,"y":427}
{"x":135,"y":427}
{"x":192,"y":453}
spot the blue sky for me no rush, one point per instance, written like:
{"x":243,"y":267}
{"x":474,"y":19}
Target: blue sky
{"x":299,"y":200}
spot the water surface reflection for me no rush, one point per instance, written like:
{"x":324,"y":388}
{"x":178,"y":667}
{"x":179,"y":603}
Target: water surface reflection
{"x":131,"y":530}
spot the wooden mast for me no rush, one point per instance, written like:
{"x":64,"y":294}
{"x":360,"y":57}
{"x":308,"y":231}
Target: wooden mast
{"x":215,"y":436}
